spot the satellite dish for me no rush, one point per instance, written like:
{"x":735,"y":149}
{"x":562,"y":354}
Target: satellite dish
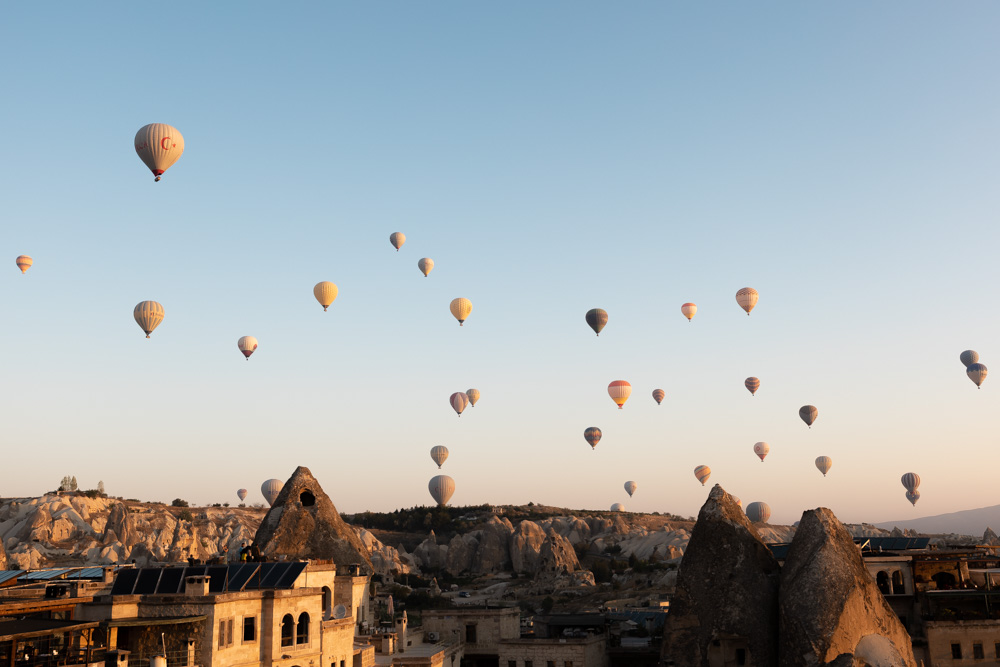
{"x":340,"y":611}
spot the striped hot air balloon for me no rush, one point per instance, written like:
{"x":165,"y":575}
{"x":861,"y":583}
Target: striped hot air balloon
{"x":910,"y":481}
{"x":659,"y":395}
{"x":473,"y":395}
{"x":808,"y":414}
{"x":441,"y":487}
{"x":325,"y":292}
{"x":967,"y":358}
{"x":747,"y":298}
{"x":761,"y":449}
{"x":596,"y":319}
{"x":913,"y":497}
{"x":426,"y":265}
{"x":461,"y":308}
{"x":24,"y":263}
{"x":688,"y":310}
{"x":619,"y":391}
{"x":630,"y":488}
{"x":148,"y":315}
{"x":758,"y":512}
{"x":397,"y":239}
{"x":459,"y":401}
{"x":823,"y":464}
{"x":247,"y":345}
{"x":752,"y":384}
{"x":977,"y":373}
{"x":702,"y":473}
{"x":593,"y":436}
{"x":439,"y":454}
{"x":159,"y":146}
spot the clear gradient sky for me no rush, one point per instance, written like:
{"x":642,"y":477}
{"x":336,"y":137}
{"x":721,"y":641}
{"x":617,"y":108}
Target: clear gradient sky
{"x":841,"y":158}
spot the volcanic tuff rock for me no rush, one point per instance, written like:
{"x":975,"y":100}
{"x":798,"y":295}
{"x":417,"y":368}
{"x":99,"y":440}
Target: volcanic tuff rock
{"x":727,"y":588}
{"x":829,"y":604}
{"x":990,"y":538}
{"x":303,"y":523}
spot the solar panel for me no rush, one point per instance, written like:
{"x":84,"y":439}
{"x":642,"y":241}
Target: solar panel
{"x":7,"y":575}
{"x":171,"y":580}
{"x":240,"y":574}
{"x":45,"y":575}
{"x":257,"y":579}
{"x":125,"y":582}
{"x":272,"y":577}
{"x":148,"y":578}
{"x":217,"y":582}
{"x":290,"y":575}
{"x":87,"y":573}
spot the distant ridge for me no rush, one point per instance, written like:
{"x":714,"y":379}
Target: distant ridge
{"x":966,"y":522}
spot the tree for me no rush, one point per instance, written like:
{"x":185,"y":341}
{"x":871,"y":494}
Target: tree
{"x":179,"y":503}
{"x":100,"y":488}
{"x":72,"y":484}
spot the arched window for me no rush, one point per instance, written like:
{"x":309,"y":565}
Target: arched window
{"x":945,"y":580}
{"x":897,"y":583}
{"x":287,"y":630}
{"x":302,"y":632}
{"x":882,"y":581}
{"x":327,"y":603}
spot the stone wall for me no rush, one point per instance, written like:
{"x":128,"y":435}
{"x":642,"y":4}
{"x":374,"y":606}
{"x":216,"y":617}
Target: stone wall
{"x":491,"y":626}
{"x":967,"y":634}
{"x":588,"y":652}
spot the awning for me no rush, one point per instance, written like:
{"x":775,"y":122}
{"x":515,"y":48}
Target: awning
{"x":29,"y":628}
{"x":151,"y":621}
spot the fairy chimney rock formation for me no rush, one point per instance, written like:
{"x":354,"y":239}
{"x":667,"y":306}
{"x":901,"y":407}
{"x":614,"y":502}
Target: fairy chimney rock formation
{"x":726,"y":603}
{"x":830,"y":611}
{"x":304,"y":524}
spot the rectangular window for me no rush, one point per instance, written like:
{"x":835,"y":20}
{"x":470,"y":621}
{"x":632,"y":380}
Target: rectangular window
{"x":550,"y":663}
{"x":996,"y":649}
{"x":956,"y":651}
{"x":470,"y":633}
{"x":222,"y":634}
{"x":741,"y":656}
{"x":512,"y":663}
{"x":250,"y":629}
{"x":225,"y":632}
{"x":568,"y":663}
{"x":528,"y":663}
{"x":977,"y":651}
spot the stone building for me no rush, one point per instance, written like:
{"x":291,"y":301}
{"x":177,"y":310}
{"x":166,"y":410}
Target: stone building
{"x":481,"y":630}
{"x":588,"y":651}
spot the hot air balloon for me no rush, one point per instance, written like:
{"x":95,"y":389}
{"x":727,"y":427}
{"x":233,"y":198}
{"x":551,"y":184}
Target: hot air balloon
{"x":824,"y":463}
{"x":270,"y":490}
{"x":247,"y":345}
{"x":593,"y":436}
{"x":617,"y":507}
{"x":397,"y":239}
{"x":747,"y":298}
{"x":325,"y":292}
{"x":739,"y":503}
{"x":808,"y":414}
{"x":241,"y":494}
{"x":619,"y":391}
{"x":461,"y":308}
{"x":459,"y":401}
{"x":752,"y":384}
{"x":24,"y":263}
{"x":158,"y":146}
{"x":148,"y":315}
{"x":659,"y":395}
{"x":702,"y":473}
{"x":913,"y":497}
{"x":977,"y":373}
{"x":439,"y":454}
{"x":426,"y":265}
{"x":473,"y":395}
{"x":630,"y":488}
{"x":688,"y":310}
{"x":596,"y":319}
{"x":758,"y":512}
{"x":441,"y":488}
{"x":761,"y":449}
{"x":910,"y":481}
{"x":968,"y":357}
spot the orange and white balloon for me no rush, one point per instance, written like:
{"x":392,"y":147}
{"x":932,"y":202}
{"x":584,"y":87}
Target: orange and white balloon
{"x":619,"y":391}
{"x":159,"y":146}
{"x":247,"y":345}
{"x":326,"y":293}
{"x":24,"y":263}
{"x":747,"y":298}
{"x":688,"y":310}
{"x":148,"y":315}
{"x":461,"y":308}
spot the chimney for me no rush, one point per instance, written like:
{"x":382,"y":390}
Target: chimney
{"x":196,"y":586}
{"x":107,"y":575}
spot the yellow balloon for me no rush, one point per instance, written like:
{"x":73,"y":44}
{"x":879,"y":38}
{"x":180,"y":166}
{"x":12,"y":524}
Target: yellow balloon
{"x":325,"y":292}
{"x":461,"y":308}
{"x":148,"y":315}
{"x":24,"y":263}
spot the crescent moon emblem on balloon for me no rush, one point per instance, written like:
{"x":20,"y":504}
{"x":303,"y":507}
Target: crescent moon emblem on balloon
{"x":163,"y":143}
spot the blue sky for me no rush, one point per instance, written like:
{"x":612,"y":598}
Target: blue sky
{"x":551,"y":158}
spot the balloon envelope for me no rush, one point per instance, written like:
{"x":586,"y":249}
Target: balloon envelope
{"x":630,"y":488}
{"x":752,"y":384}
{"x":824,"y":463}
{"x":24,"y":263}
{"x":439,"y":454}
{"x":473,"y":395}
{"x":441,"y":487}
{"x":458,"y":401}
{"x":702,"y":473}
{"x":968,"y":357}
{"x":747,"y":298}
{"x":688,"y":310}
{"x":397,"y":239}
{"x":910,"y":481}
{"x":270,"y":490}
{"x":596,"y":319}
{"x":247,"y":345}
{"x":426,"y":265}
{"x":617,"y":507}
{"x":758,"y":512}
{"x":461,"y":308}
{"x":761,"y":449}
{"x":241,"y":494}
{"x":325,"y":292}
{"x":659,"y":395}
{"x":148,"y":315}
{"x":977,"y":373}
{"x":158,"y":146}
{"x":619,"y":391}
{"x":808,"y":414}
{"x":593,"y":436}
